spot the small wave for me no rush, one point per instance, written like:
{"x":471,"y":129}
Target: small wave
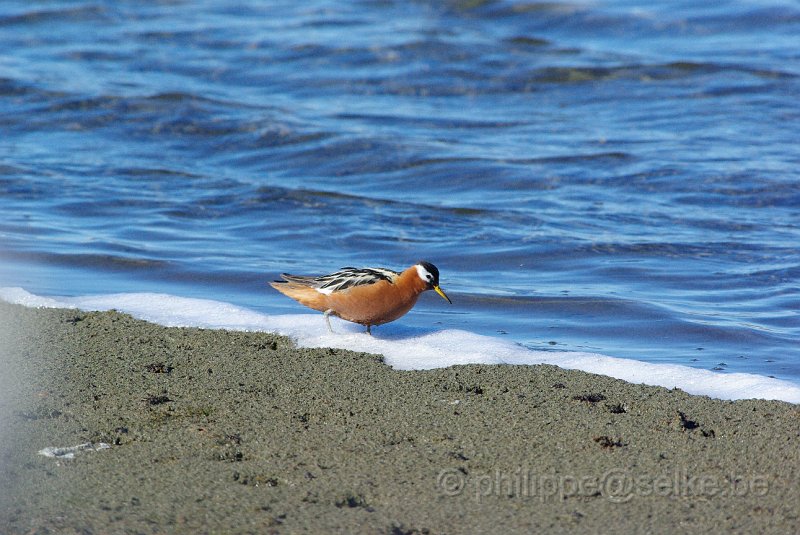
{"x":430,"y":122}
{"x":44,"y":16}
{"x":107,"y":262}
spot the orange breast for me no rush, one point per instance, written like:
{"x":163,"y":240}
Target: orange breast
{"x":373,"y":304}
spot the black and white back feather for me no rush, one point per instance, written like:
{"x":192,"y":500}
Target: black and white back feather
{"x":346,"y":277}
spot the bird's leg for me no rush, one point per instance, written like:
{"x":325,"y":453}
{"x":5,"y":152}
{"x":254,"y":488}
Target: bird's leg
{"x":369,"y":332}
{"x":327,"y":315}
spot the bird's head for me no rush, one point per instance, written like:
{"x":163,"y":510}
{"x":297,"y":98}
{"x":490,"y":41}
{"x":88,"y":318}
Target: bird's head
{"x":430,"y":275}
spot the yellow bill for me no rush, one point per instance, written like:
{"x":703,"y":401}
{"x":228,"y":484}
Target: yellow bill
{"x":441,"y":292}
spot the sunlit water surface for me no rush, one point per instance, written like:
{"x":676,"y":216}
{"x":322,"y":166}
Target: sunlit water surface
{"x":612,"y":177}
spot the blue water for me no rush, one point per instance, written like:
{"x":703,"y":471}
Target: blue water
{"x":615,"y":177}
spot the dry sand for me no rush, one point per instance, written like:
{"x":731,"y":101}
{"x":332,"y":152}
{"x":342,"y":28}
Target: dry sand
{"x":224,"y":432}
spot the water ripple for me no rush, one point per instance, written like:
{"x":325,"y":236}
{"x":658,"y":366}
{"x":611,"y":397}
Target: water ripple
{"x":614,"y":177}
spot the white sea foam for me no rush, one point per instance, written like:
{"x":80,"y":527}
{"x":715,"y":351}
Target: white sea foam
{"x":409,"y":349}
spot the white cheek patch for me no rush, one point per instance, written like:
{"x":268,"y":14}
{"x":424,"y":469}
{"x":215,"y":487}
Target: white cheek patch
{"x":423,"y":273}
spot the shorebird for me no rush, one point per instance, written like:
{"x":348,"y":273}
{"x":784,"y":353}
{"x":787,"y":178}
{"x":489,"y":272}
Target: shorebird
{"x":369,"y":296}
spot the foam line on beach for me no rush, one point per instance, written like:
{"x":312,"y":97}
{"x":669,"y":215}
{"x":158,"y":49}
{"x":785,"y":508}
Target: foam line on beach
{"x":414,"y":349}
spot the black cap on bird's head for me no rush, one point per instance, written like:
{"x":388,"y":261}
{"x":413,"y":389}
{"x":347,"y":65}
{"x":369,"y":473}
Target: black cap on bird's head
{"x":430,"y":274}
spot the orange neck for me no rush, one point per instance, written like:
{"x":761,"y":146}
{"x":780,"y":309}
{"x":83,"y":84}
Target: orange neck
{"x":410,"y":279}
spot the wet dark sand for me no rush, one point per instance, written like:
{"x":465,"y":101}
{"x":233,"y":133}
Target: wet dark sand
{"x":223,"y":432}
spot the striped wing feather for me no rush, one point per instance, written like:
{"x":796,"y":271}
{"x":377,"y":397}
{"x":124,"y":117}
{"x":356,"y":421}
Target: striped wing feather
{"x":346,"y":277}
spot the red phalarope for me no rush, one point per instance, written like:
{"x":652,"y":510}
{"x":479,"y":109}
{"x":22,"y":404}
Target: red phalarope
{"x":369,"y":296}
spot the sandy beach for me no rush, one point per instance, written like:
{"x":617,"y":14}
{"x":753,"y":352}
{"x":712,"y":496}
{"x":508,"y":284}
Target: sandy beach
{"x":213,"y":431}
